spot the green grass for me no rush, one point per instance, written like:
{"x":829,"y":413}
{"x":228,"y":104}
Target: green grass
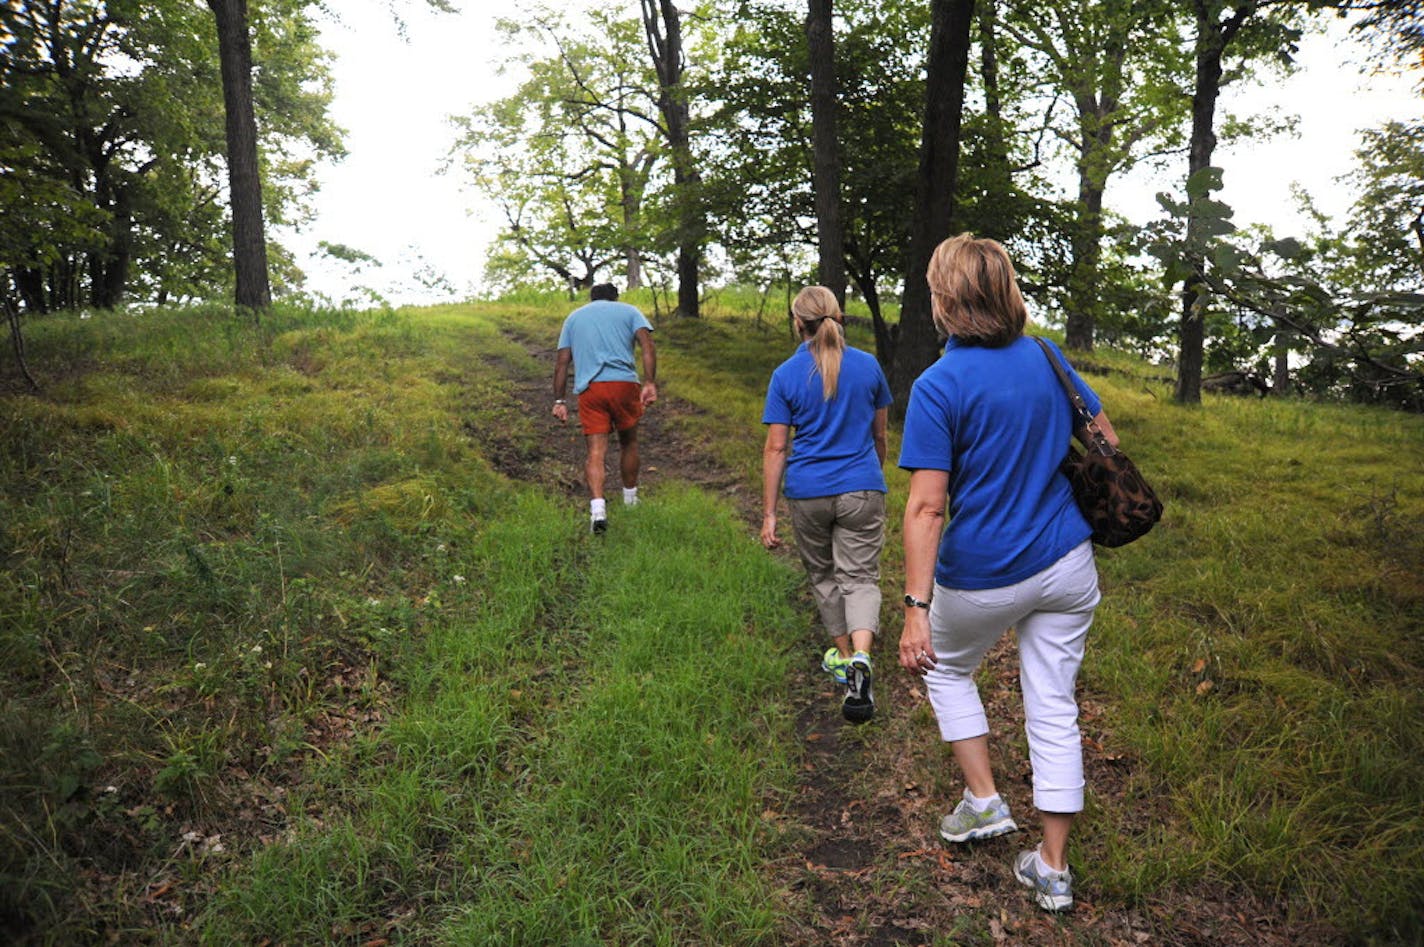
{"x":1260,"y":653}
{"x":229,"y":559}
{"x":260,"y":583}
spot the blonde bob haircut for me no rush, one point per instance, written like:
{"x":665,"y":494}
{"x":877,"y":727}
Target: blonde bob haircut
{"x":974,"y":292}
{"x":819,"y":319}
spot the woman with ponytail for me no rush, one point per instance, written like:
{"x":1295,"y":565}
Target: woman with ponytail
{"x":836,"y":401}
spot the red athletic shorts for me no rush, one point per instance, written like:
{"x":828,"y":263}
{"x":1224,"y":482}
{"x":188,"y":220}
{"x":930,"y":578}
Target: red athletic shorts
{"x":608,"y":406}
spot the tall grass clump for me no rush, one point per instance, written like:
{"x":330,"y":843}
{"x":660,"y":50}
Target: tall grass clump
{"x":218,"y":534}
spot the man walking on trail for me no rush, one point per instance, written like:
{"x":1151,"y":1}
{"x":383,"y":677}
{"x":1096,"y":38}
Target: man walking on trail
{"x":598,"y":339}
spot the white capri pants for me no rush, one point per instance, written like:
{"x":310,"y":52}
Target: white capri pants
{"x":1052,"y":612}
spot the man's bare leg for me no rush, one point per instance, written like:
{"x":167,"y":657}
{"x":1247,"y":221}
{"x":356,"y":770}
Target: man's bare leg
{"x":593,"y":466}
{"x":628,"y":456}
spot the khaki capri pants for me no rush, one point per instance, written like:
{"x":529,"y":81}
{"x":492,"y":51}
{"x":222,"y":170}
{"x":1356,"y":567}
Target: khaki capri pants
{"x":839,"y":539}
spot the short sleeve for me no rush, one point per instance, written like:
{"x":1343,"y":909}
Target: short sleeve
{"x":883,"y":398}
{"x":1090,"y":397}
{"x":927,"y":443}
{"x":778,"y":408}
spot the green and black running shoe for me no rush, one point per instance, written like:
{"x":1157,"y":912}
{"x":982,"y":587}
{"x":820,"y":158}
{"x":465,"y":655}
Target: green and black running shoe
{"x":859,"y":703}
{"x":833,"y":663}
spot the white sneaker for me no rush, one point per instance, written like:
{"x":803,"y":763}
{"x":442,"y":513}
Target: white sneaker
{"x":967,"y":824}
{"x":1053,"y":890}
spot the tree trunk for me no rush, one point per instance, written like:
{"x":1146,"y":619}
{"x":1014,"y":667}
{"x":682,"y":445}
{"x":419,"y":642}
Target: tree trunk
{"x":1280,"y":376}
{"x":632,"y":255}
{"x":826,"y":168}
{"x":864,"y":278}
{"x":110,"y":279}
{"x":662,"y":23}
{"x":1213,"y":36}
{"x":1083,"y":278}
{"x":918,"y":343}
{"x":249,"y":241}
{"x":31,"y":285}
{"x":17,"y":339}
{"x":1000,"y":185}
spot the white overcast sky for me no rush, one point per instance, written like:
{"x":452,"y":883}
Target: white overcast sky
{"x":387,"y":198}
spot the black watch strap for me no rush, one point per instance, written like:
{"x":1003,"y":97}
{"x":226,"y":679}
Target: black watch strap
{"x":914,"y":602}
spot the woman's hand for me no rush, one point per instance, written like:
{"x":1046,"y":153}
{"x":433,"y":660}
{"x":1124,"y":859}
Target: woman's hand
{"x":769,"y":539}
{"x":916,"y":653}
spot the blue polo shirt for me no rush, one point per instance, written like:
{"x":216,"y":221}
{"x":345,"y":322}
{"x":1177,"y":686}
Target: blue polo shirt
{"x":601,"y":334}
{"x":998,"y":420}
{"x":833,"y":451}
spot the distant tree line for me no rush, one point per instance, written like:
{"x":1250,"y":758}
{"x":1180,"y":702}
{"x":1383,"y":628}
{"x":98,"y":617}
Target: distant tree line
{"x":147,"y":147}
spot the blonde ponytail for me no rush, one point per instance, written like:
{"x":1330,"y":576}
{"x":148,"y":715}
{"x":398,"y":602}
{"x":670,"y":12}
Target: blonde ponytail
{"x":818,"y":316}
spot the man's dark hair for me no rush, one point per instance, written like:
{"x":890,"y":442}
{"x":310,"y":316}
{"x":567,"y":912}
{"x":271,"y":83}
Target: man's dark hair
{"x":603,"y":291}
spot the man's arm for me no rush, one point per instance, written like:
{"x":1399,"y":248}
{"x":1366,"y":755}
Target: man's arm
{"x":650,"y":365}
{"x":561,"y":382}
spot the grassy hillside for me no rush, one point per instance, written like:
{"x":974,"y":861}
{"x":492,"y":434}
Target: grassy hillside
{"x":285,"y":656}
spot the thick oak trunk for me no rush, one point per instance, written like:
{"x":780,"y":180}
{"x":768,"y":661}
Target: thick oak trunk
{"x":918,"y":343}
{"x":663,"y":25}
{"x":249,"y":240}
{"x":826,"y":167}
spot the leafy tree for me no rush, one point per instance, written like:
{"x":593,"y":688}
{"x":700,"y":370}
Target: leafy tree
{"x":1353,"y":315}
{"x":573,"y":156}
{"x":116,"y":105}
{"x":1118,"y":64}
{"x":1399,"y":23}
{"x":1387,"y":219}
{"x":761,"y":181}
{"x":1249,"y":30}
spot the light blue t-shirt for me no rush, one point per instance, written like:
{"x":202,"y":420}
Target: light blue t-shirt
{"x":601,"y":336}
{"x":833,"y":451}
{"x":999,"y":421}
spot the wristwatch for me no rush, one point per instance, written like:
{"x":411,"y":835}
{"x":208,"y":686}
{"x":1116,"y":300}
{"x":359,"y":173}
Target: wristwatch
{"x":914,"y":602}
{"x":558,"y":401}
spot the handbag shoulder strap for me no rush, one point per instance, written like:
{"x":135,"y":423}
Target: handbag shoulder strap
{"x":1080,"y":407}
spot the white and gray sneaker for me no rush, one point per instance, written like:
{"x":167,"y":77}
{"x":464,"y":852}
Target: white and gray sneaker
{"x":1053,"y":890}
{"x":968,"y":824}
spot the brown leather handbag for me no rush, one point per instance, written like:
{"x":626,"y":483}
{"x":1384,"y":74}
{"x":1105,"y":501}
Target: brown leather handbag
{"x":1111,"y":493}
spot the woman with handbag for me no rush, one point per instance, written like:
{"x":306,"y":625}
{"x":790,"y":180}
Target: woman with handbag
{"x":837,"y":401}
{"x":985,"y":430}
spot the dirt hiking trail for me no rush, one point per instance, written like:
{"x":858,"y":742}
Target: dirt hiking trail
{"x":865,"y":864}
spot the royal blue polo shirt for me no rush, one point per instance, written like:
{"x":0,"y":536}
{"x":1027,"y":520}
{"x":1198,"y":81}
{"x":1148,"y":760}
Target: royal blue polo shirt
{"x":999,"y":421}
{"x":833,"y":450}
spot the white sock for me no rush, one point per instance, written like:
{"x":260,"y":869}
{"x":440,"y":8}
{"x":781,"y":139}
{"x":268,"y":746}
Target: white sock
{"x":1044,"y":868}
{"x":598,"y":509}
{"x":630,"y":496}
{"x":979,"y":805}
